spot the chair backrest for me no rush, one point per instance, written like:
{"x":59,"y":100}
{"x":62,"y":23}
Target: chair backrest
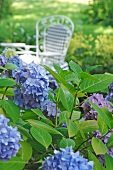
{"x":53,"y":34}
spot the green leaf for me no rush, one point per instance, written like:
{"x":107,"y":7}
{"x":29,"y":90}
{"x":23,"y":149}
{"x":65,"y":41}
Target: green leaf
{"x":85,"y":76}
{"x":75,"y":67}
{"x":29,"y":114}
{"x":102,"y":125}
{"x":72,"y":77}
{"x":101,"y":113}
{"x":97,"y":164}
{"x":7,"y":82}
{"x":9,"y":91}
{"x":75,"y":115}
{"x":109,"y":162}
{"x":44,"y":126}
{"x":103,"y":80}
{"x":10,"y":66}
{"x":23,"y":131}
{"x":89,"y":126}
{"x":98,"y":146}
{"x":66,"y":98}
{"x":11,"y":109}
{"x":57,"y":68}
{"x":110,"y":141}
{"x":67,"y":142}
{"x":41,"y":136}
{"x":92,"y":67}
{"x":39,"y":113}
{"x":70,"y":88}
{"x":2,"y":68}
{"x":15,"y":163}
{"x":72,"y":128}
{"x":25,"y":151}
{"x":63,"y":116}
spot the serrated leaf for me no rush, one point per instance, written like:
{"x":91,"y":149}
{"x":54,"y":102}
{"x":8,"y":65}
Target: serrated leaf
{"x":89,"y":126}
{"x":103,"y":80}
{"x":70,"y":88}
{"x":98,"y":146}
{"x":66,"y":98}
{"x":39,"y":113}
{"x":72,"y":128}
{"x":41,"y":136}
{"x":102,"y":125}
{"x":15,"y":163}
{"x":11,"y":109}
{"x":10,"y":66}
{"x":7,"y":82}
{"x":67,"y":142}
{"x":25,"y":151}
{"x":101,"y":113}
{"x":75,"y":115}
{"x":110,"y":141}
{"x":92,"y":67}
{"x":75,"y":67}
{"x":109,"y":162}
{"x":84,"y":76}
{"x":57,"y":68}
{"x":97,"y":164}
{"x":23,"y":131}
{"x":44,"y":126}
{"x":63,"y":116}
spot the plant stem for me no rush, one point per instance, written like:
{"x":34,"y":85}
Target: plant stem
{"x":4,"y":93}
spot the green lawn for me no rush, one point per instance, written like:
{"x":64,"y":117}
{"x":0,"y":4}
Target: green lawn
{"x":27,"y":12}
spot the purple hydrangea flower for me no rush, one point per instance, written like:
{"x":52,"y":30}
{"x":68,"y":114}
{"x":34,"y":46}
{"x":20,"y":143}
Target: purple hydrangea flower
{"x":67,"y":160}
{"x":51,"y":109}
{"x":9,"y":140}
{"x":34,"y":82}
{"x":100,"y":101}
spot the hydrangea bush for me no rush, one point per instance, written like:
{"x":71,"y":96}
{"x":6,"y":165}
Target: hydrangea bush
{"x":54,"y":119}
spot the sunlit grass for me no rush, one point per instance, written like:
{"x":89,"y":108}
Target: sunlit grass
{"x":25,"y":15}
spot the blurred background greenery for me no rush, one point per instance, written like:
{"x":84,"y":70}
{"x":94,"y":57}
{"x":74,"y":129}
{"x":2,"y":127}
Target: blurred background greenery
{"x":93,"y":35}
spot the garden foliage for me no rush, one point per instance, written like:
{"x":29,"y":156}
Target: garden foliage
{"x":88,"y":51}
{"x":48,"y":114}
{"x":101,"y":11}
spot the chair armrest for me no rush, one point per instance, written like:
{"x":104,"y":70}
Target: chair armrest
{"x":47,"y":54}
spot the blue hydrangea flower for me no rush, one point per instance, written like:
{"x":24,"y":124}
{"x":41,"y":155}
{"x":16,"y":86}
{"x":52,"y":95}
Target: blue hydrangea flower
{"x":67,"y":160}
{"x":16,"y":61}
{"x":100,"y":101}
{"x":3,"y":60}
{"x":51,"y":109}
{"x":34,"y":82}
{"x":9,"y":139}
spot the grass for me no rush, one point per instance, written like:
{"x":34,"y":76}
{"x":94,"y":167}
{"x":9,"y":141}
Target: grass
{"x":25,"y":13}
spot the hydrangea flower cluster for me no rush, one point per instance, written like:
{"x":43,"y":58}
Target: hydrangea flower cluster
{"x":51,"y":109}
{"x":34,"y":82}
{"x":100,"y":101}
{"x":67,"y":160}
{"x":9,"y":140}
{"x":9,"y":52}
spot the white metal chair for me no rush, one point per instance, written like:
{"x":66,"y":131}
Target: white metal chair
{"x":53,"y":36}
